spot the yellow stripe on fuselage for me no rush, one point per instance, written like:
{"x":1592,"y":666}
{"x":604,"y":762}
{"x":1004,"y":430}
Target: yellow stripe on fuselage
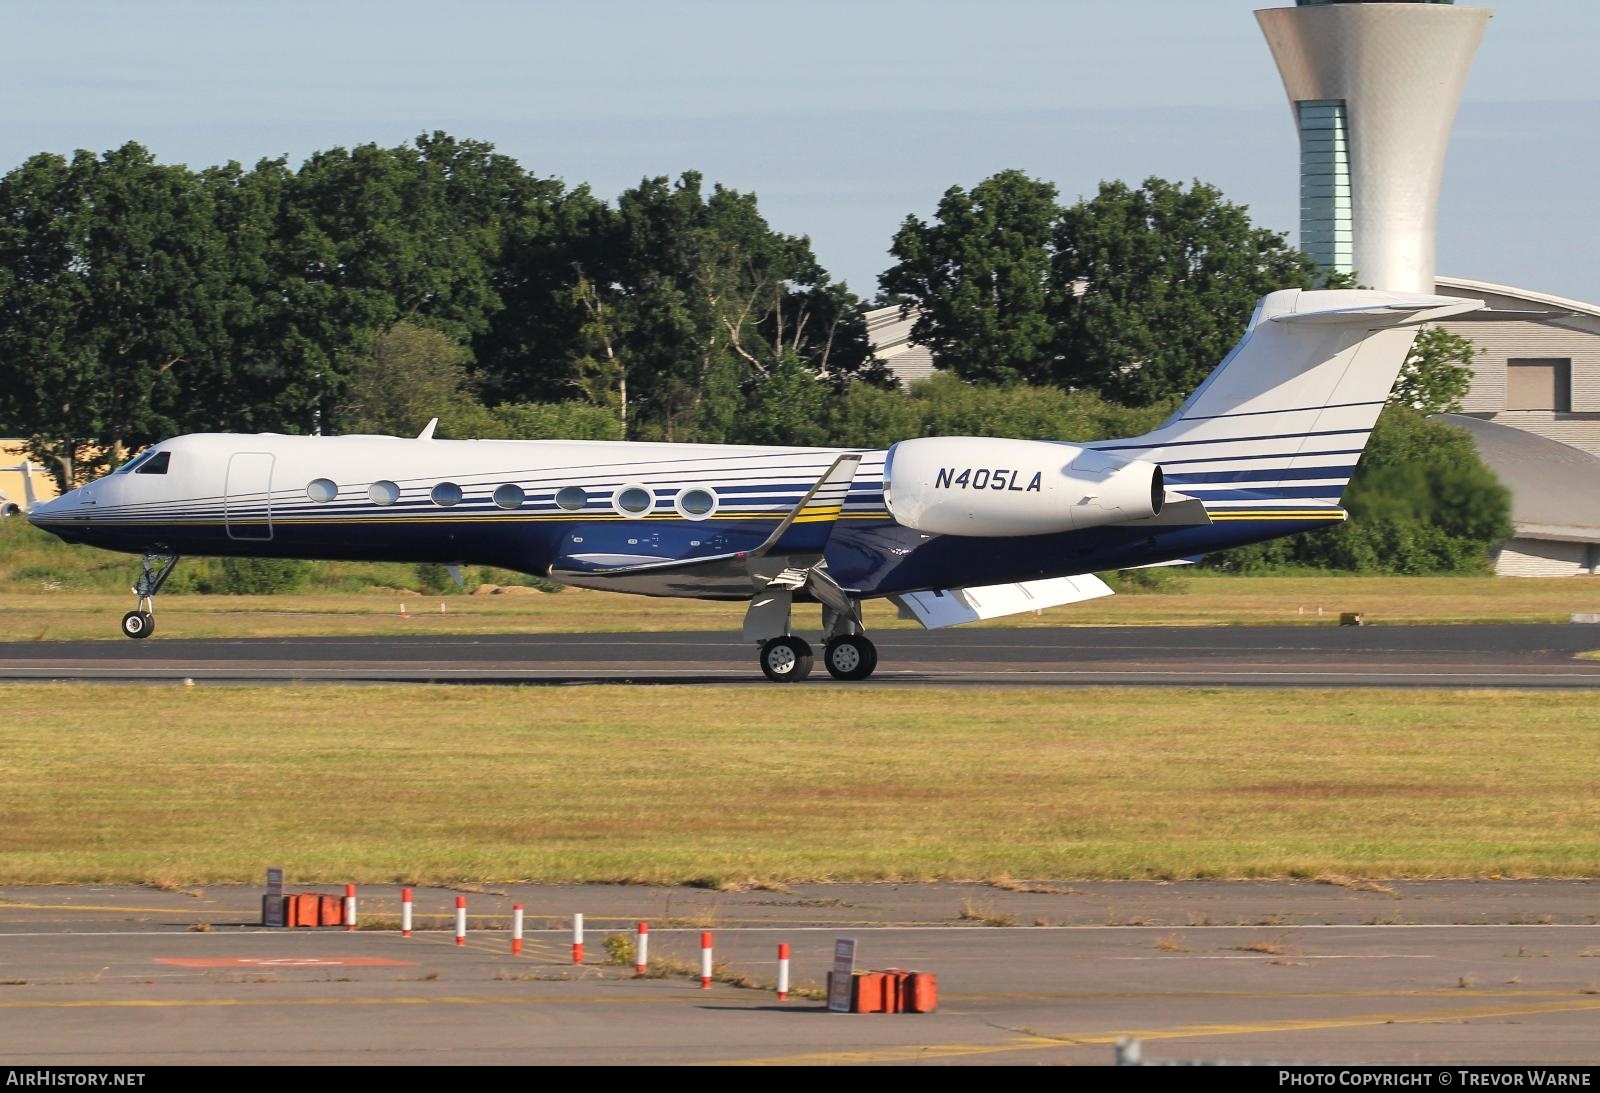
{"x":1324,"y":515}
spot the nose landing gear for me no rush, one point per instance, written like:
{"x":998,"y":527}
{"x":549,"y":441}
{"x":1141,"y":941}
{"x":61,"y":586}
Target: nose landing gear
{"x":154,"y":571}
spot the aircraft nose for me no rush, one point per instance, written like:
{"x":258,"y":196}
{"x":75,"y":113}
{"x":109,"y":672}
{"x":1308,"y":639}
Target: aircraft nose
{"x":39,"y":514}
{"x":52,"y":514}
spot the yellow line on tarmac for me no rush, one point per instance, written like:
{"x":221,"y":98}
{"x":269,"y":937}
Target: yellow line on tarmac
{"x":910,"y":1053}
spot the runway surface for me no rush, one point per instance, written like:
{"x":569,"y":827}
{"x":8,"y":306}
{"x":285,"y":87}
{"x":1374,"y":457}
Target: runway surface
{"x":1029,"y":974}
{"x":1466,"y":656}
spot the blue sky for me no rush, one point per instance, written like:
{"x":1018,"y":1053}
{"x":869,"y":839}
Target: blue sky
{"x":843,"y":117}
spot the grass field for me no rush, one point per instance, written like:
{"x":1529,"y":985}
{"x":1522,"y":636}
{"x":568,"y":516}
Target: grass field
{"x":167,"y":785}
{"x":1202,"y":600}
{"x":53,"y":591}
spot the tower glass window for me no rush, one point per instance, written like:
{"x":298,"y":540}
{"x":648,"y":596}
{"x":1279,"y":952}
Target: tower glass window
{"x":1327,"y":228}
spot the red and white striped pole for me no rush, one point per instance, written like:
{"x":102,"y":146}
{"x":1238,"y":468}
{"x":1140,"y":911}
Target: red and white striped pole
{"x":405,"y":912}
{"x":705,"y":961}
{"x":641,"y":950}
{"x":783,"y":971}
{"x":577,"y":939}
{"x":461,"y":920}
{"x":516,"y":929}
{"x":349,"y":907}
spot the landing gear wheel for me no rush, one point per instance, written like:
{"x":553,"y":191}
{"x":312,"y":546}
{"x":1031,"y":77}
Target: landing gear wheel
{"x":138,"y":624}
{"x":787,"y":659}
{"x":155,"y":566}
{"x":850,"y":657}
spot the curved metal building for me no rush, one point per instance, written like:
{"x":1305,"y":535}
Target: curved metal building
{"x":1374,"y":89}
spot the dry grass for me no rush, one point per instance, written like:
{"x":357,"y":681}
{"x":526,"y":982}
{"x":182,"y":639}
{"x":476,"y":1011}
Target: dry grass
{"x":492,"y":785}
{"x":1172,"y":944}
{"x":619,"y":950}
{"x":1006,"y":884}
{"x":1269,"y":947}
{"x":1355,"y":884}
{"x":982,"y":914}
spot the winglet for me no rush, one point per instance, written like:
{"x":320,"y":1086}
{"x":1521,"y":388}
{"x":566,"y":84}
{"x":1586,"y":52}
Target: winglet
{"x":809,"y":524}
{"x":427,"y":430}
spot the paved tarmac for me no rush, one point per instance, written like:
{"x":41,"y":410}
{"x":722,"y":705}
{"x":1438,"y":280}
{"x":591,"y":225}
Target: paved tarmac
{"x":1030,"y":974}
{"x":1464,"y":656}
{"x":1409,"y":972}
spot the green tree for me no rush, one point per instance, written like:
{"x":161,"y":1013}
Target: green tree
{"x":1437,"y":374}
{"x":571,"y":420}
{"x":559,"y":262}
{"x":1421,"y":502}
{"x":1156,"y":284}
{"x":117,"y":288}
{"x":410,"y":375}
{"x":944,"y":405}
{"x":788,"y":406}
{"x":707,"y":299}
{"x":980,"y":278}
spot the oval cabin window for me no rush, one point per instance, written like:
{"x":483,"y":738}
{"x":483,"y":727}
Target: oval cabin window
{"x":635,"y":500}
{"x":697,"y":503}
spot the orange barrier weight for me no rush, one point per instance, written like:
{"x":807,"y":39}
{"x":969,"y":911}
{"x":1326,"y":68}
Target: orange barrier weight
{"x":872,"y":992}
{"x":304,"y":909}
{"x":921,"y":993}
{"x":893,"y":990}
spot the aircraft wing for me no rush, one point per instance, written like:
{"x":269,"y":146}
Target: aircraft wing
{"x":810,"y":523}
{"x":952,"y":606}
{"x":798,"y":540}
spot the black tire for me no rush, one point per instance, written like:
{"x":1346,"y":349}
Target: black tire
{"x":787,"y":659}
{"x":850,"y":657}
{"x":138,"y":624}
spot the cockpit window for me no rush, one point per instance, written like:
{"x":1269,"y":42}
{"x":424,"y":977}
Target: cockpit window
{"x":156,"y":464}
{"x":147,"y":462}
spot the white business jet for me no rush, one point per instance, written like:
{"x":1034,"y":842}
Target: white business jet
{"x":951,"y":528}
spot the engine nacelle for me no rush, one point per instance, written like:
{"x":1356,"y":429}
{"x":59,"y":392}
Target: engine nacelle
{"x":993,"y":487}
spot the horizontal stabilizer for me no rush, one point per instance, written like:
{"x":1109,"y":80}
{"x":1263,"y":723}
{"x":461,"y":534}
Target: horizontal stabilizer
{"x":1397,"y":312}
{"x":954,"y":606}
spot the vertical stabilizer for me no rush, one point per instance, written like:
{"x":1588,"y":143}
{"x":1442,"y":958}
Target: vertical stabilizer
{"x":1284,"y":418}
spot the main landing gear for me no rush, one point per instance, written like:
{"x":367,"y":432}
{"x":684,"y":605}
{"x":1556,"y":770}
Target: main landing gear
{"x":786,"y":659}
{"x":850,"y":657}
{"x":155,"y":569}
{"x":847,"y":655}
{"x":789,"y":659}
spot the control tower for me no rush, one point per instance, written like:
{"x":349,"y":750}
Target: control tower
{"x":1373,"y":88}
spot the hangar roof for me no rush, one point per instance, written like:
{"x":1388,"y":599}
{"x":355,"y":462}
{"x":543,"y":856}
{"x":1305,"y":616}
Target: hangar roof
{"x":1553,"y":486}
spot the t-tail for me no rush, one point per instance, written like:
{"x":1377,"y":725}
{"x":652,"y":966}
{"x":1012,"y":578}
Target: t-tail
{"x":1274,"y":433}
